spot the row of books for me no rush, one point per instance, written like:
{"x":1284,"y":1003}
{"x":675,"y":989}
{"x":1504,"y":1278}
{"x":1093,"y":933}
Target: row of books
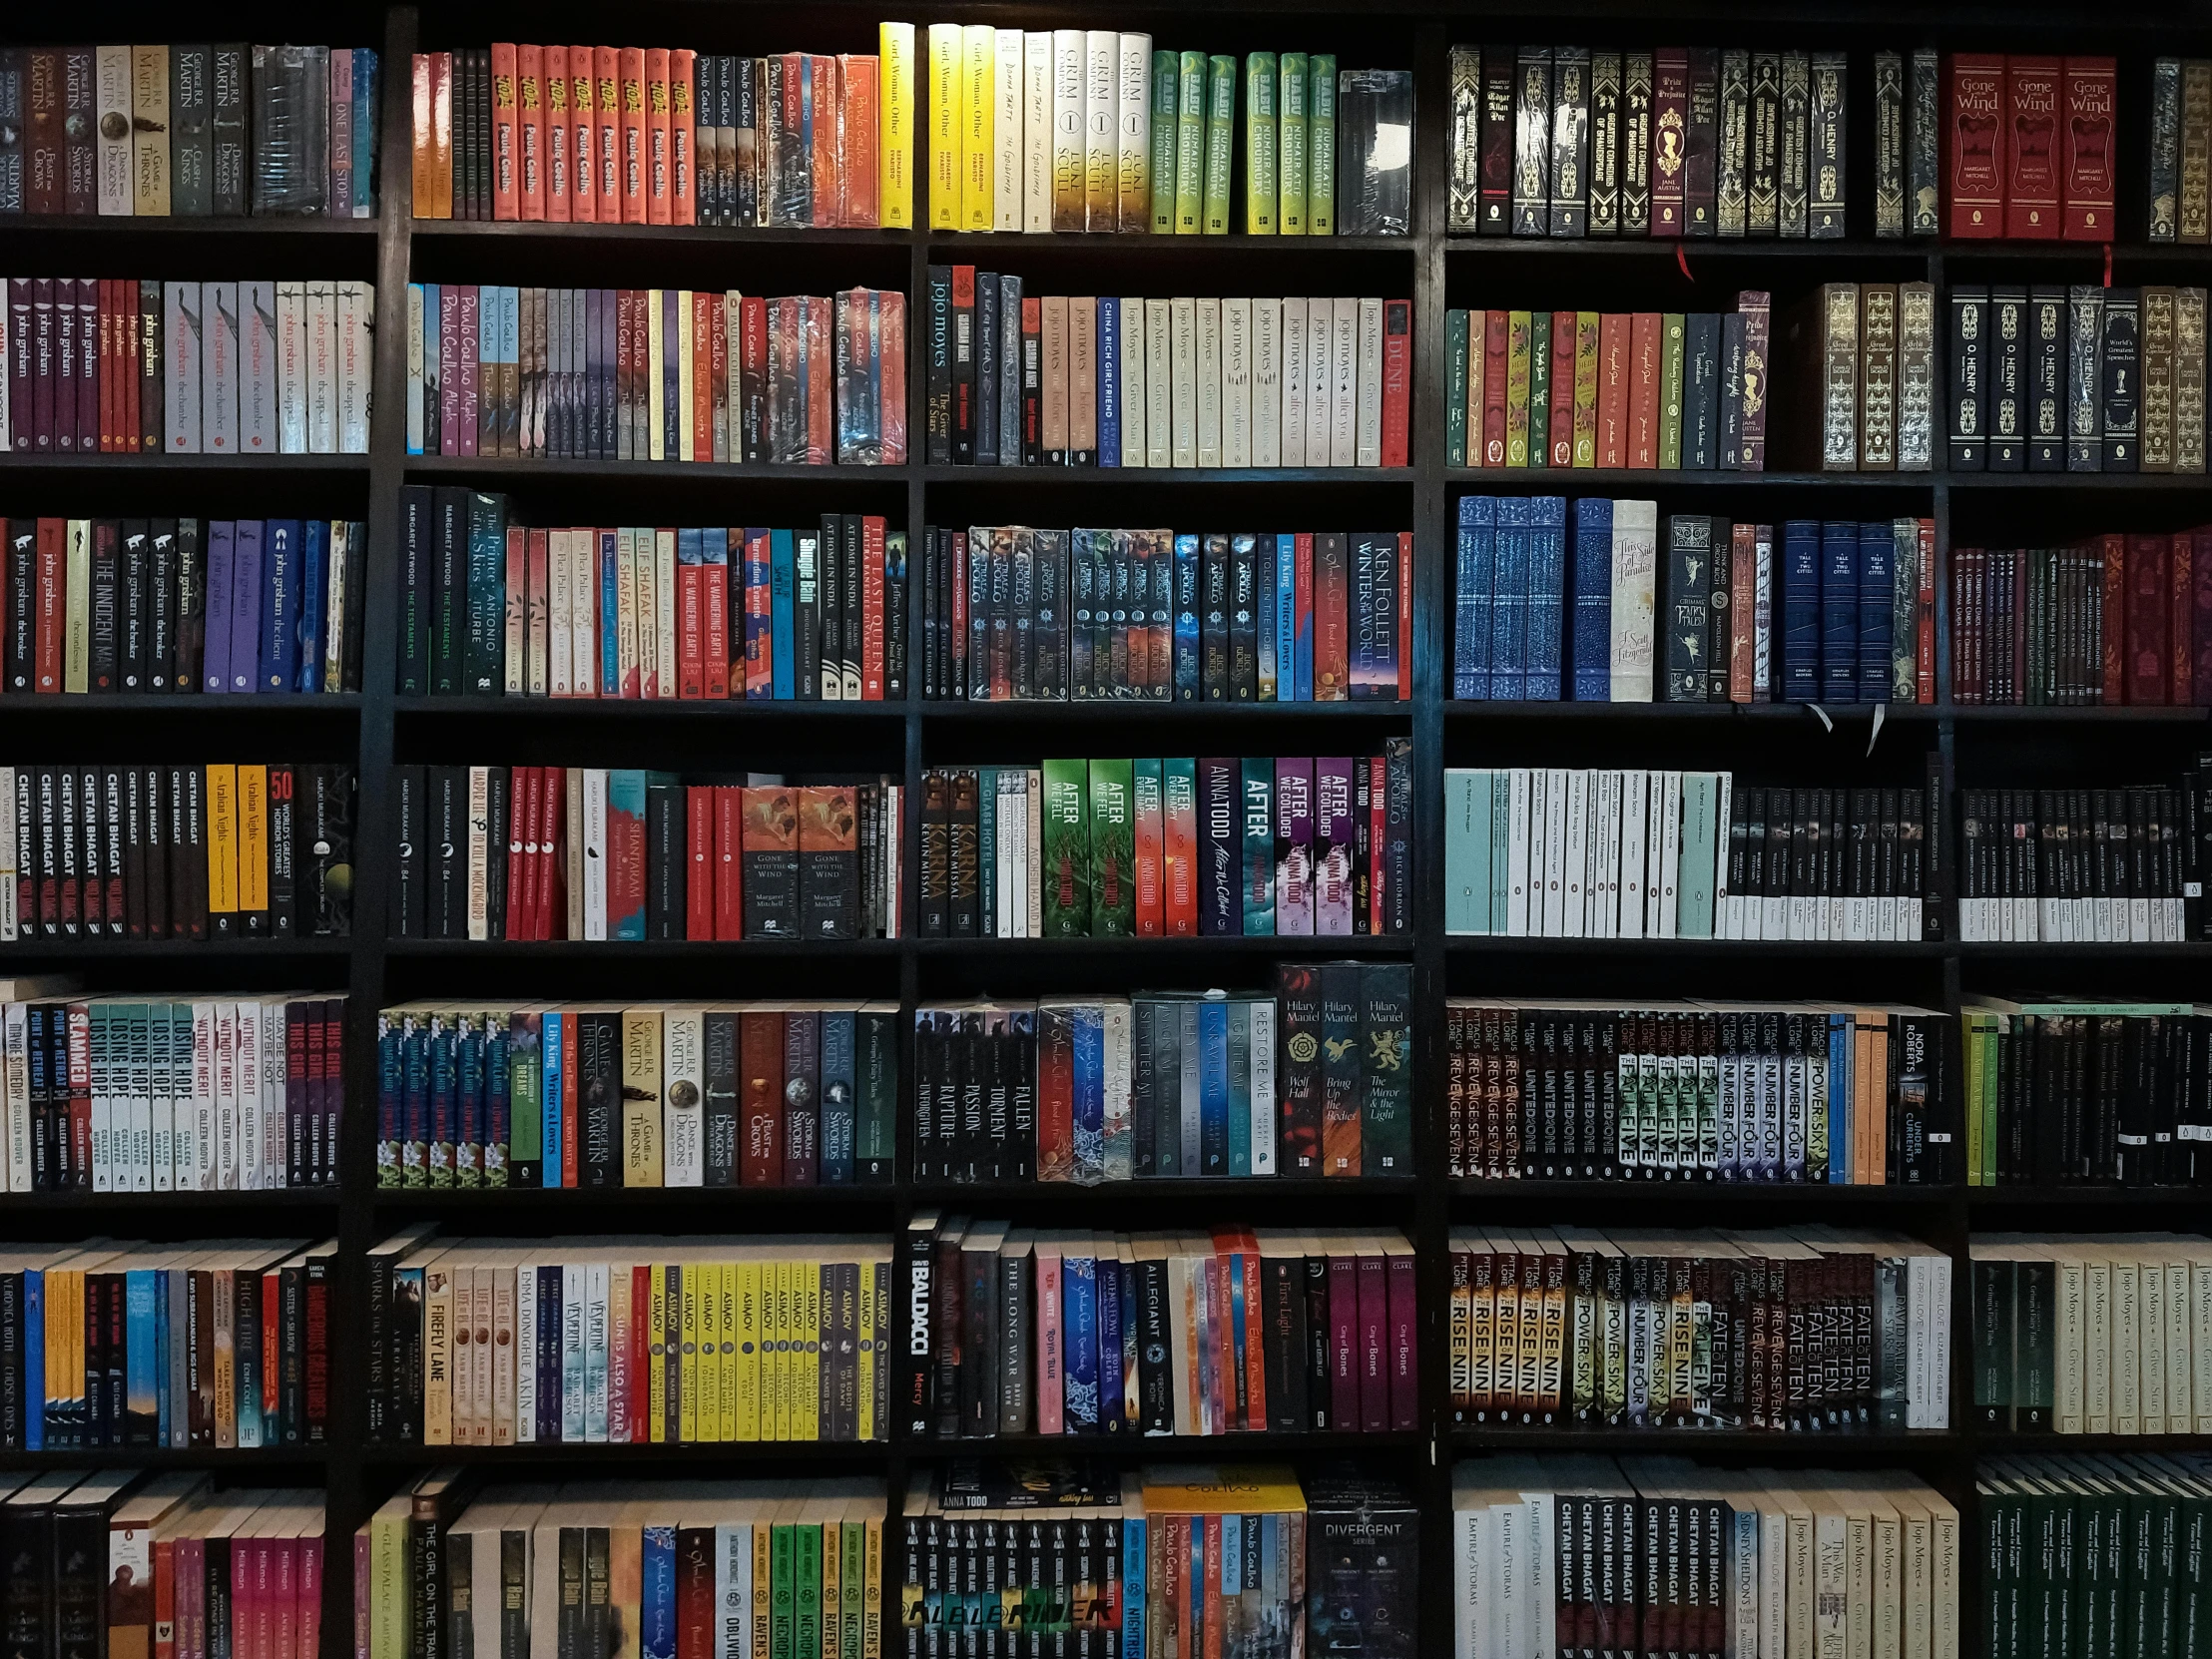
{"x":1696,"y":1091}
{"x":1226,"y":1331}
{"x":177,"y":851}
{"x":1089,"y":129}
{"x":189,"y":1346}
{"x":489,"y":607}
{"x":1854,"y":379}
{"x":1014,"y":613}
{"x":631,"y":134}
{"x":561,"y":1095}
{"x":1316,"y":1079}
{"x":2071,"y":379}
{"x":657,"y":375}
{"x":178,"y":605}
{"x":2032,"y":146}
{"x":2110,"y":619}
{"x":1181,"y":847}
{"x":629,"y":1340}
{"x":1795,"y":1330}
{"x":1580,"y":1553}
{"x":104,"y":1560}
{"x":2064,"y":1091}
{"x":2081,"y":867}
{"x":190,"y":131}
{"x":598,"y":853}
{"x":127,"y":366}
{"x":1643,"y":391}
{"x":1532,"y":852}
{"x":134,"y":1095}
{"x":742,"y":1570}
{"x":1562,"y":601}
{"x":2108,"y":1333}
{"x":1020,"y":381}
{"x":2180,"y":123}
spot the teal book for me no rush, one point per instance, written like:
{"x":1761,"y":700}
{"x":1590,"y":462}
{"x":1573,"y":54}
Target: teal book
{"x":550,"y":1080}
{"x":626,"y":852}
{"x":1501,"y":848}
{"x":1842,"y":1028}
{"x":1467,"y":852}
{"x":1258,"y":847}
{"x":784,"y":655}
{"x":1240,"y":1088}
{"x":876,"y":1088}
{"x":1694,"y":876}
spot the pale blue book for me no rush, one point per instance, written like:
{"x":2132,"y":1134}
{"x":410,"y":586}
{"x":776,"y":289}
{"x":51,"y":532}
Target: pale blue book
{"x":1467,"y":852}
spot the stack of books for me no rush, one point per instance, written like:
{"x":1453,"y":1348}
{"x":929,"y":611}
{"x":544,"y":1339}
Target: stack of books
{"x":1799,"y":1330}
{"x":175,"y":605}
{"x":1181,"y":847}
{"x":1313,"y":1080}
{"x":2081,"y":867}
{"x":629,"y":1342}
{"x":177,"y":851}
{"x":1232,"y":1331}
{"x":561,"y":1095}
{"x":1696,"y":1091}
{"x":1014,"y":613}
{"x":1019,"y":380}
{"x":190,"y":131}
{"x":212,"y":1347}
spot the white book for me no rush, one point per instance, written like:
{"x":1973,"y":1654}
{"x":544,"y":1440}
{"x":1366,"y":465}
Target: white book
{"x":1574,"y":921}
{"x":2200,"y":1342}
{"x":1723,"y":792}
{"x":257,"y":391}
{"x":479,"y":852}
{"x":595,"y":852}
{"x":573,"y":1280}
{"x":595,"y":1353}
{"x":559,"y":648}
{"x":1606,"y":859}
{"x":355,"y":366}
{"x":1554,"y":784}
{"x":1344,"y":386}
{"x":1036,"y":130}
{"x":1133,"y":398}
{"x":1761,"y":615}
{"x":224,"y":1152}
{"x":15,"y":1079}
{"x":1635,"y":585}
{"x":110,"y":92}
{"x":323,"y":367}
{"x":1321,"y":335}
{"x":1101,"y":116}
{"x":2180,"y":1392}
{"x":1263,"y":1087}
{"x":1183,"y":376}
{"x":664,"y":612}
{"x":1267,"y":382}
{"x":1133,"y":134}
{"x":1670,"y":858}
{"x":1294,"y":387}
{"x":196,"y":1127}
{"x":1658,"y":860}
{"x":1368,"y":392}
{"x":590,"y":554}
{"x":335,"y":604}
{"x":291,"y":367}
{"x":1034,"y":817}
{"x":180,"y":325}
{"x":526,"y":1377}
{"x":1634,"y":815}
{"x":1006,"y":133}
{"x":1236,"y":383}
{"x":683,"y":1096}
{"x":1519,"y":788}
{"x":1067,"y":130}
{"x":1206,"y":379}
{"x":170,"y":1038}
{"x":1159,"y":384}
{"x":273,"y":1093}
{"x":105,"y":1155}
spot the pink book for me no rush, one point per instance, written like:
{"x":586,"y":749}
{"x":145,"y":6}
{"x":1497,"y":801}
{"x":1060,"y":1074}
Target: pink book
{"x":308,"y":1624}
{"x":263,"y":1626}
{"x":244,"y":1601}
{"x":192,"y":1598}
{"x":1344,"y":1319}
{"x":284,"y":1578}
{"x":362,"y":1609}
{"x":1404,"y":1367}
{"x":449,"y":372}
{"x":468,"y":346}
{"x":1211,"y":1328}
{"x":1050,"y":1402}
{"x":1373,"y":1315}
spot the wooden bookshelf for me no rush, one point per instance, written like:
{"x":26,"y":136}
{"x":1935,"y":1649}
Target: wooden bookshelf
{"x":377,"y":727}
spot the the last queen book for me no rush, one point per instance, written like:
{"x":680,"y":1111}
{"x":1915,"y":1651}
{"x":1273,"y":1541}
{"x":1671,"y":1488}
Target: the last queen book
{"x":1362,"y":1556}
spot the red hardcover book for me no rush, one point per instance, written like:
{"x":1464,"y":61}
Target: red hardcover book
{"x":2201,"y":605}
{"x":699,"y":851}
{"x":683,"y":137}
{"x":560,"y":137}
{"x":1974,"y":145}
{"x":872,"y":608}
{"x":1332,"y":622}
{"x":2181,"y":611}
{"x":530,"y":131}
{"x":2087,"y":171}
{"x":690,"y":629}
{"x":1924,"y":636}
{"x":715,"y":603}
{"x":1670,"y":139}
{"x":828,"y":184}
{"x":506,"y":136}
{"x":761,"y":1098}
{"x":728,"y":870}
{"x":552,"y":890}
{"x":1179,"y":858}
{"x":2115,"y":548}
{"x":1397,"y":371}
{"x":658,"y":184}
{"x":1561,"y":439}
{"x":522,"y":841}
{"x":630,"y":173}
{"x":1643,"y":391}
{"x":2147,"y":636}
{"x":1614,"y":338}
{"x":607,"y":134}
{"x":1497,"y":353}
{"x":52,"y":601}
{"x":2032,"y":93}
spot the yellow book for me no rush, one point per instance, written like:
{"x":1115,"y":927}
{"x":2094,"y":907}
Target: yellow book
{"x":622,"y":1312}
{"x":726,"y":1364}
{"x":813,"y":1301}
{"x":687,"y":1376}
{"x":1516,"y":389}
{"x":656,"y":1348}
{"x":1585,"y":387}
{"x":656,"y":399}
{"x":253,"y":848}
{"x":978,"y":126}
{"x":1222,"y":1489}
{"x":946,"y":126}
{"x":625,"y":1584}
{"x":641,"y":1097}
{"x":871,"y":1585}
{"x":776,"y":1420}
{"x":223,"y":850}
{"x":865,"y":1369}
{"x":894,"y":121}
{"x":76,"y":606}
{"x":686,"y":382}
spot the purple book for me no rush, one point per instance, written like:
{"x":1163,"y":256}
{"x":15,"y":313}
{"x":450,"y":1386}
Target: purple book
{"x":467,"y":348}
{"x":1219,"y":848}
{"x":449,"y":374}
{"x":215,"y":652}
{"x":1294,"y":844}
{"x":88,"y":366}
{"x":246,"y":606}
{"x":1336,"y":829}
{"x":63,"y":308}
{"x":22,"y":412}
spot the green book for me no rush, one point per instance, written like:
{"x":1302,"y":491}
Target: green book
{"x":806,"y":1592}
{"x":1320,"y":148}
{"x":1166,"y":83}
{"x":1066,"y":846}
{"x":1113,"y":827}
{"x":1220,"y":141}
{"x":876,"y":1082}
{"x":1467,"y":852}
{"x":1261,"y":189}
{"x":1456,"y":388}
{"x":1190,"y":143}
{"x":782,"y":1596}
{"x":1672,"y":336}
{"x":1290,"y":145}
{"x":1540,"y":388}
{"x":526,"y":1102}
{"x":1694,"y":880}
